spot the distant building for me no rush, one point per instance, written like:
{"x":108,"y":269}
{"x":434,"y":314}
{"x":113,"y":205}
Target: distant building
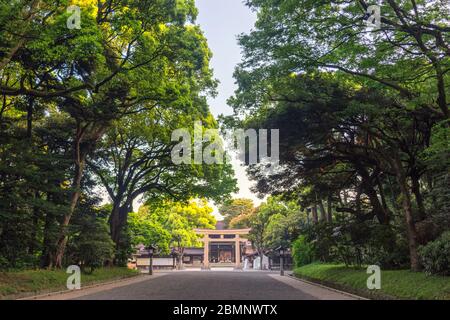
{"x":224,"y":247}
{"x":221,"y":248}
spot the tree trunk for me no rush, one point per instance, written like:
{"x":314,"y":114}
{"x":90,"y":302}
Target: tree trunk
{"x":430,"y":184}
{"x":330,"y":208}
{"x":382,"y":194}
{"x":62,"y":239}
{"x":314,"y":214}
{"x":415,"y":187}
{"x":47,"y":258}
{"x":323,"y":213}
{"x":114,"y":222}
{"x":117,"y":223}
{"x":407,"y":209}
{"x":85,"y":140}
{"x":35,"y":221}
{"x":367,"y":184}
{"x":49,"y":232}
{"x":180,"y":259}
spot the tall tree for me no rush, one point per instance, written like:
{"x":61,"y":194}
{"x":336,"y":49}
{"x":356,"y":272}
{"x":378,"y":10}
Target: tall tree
{"x":135,"y":160}
{"x":127,"y":57}
{"x":404,"y":63}
{"x":235,"y":208}
{"x":171,"y":225}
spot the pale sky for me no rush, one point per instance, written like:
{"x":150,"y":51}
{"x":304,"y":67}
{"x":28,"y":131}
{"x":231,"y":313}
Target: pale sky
{"x":222,"y":21}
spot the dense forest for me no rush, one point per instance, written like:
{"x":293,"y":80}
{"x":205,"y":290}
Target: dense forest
{"x":87,"y":115}
{"x":364,"y":126}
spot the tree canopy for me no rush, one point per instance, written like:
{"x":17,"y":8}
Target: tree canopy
{"x":89,"y":107}
{"x":360,"y":110}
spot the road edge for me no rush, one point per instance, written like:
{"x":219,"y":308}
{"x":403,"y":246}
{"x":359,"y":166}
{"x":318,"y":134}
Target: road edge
{"x":309,"y":281}
{"x":56,"y":293}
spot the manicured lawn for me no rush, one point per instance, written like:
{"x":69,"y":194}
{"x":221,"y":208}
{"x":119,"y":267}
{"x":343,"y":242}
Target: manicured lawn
{"x":29,"y":282}
{"x":401,"y":284}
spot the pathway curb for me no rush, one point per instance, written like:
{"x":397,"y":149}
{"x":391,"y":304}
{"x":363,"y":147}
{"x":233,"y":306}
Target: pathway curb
{"x":56,"y":293}
{"x":326,"y":287}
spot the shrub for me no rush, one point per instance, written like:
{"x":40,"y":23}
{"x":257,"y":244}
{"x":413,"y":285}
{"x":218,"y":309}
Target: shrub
{"x":4,"y":263}
{"x":303,"y":252}
{"x":321,"y":236}
{"x":386,"y":247}
{"x":91,"y":247}
{"x":354,"y":242}
{"x":435,"y":256}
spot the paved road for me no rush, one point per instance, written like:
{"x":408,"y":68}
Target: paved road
{"x":208,"y":285}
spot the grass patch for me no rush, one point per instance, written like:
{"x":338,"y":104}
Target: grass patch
{"x":396,"y":284}
{"x":31,"y":282}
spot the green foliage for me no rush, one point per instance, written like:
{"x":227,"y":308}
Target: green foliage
{"x":437,"y":159}
{"x":182,"y":219}
{"x":363,"y":120}
{"x":275,"y":223}
{"x":436,"y":155}
{"x":435,"y":255}
{"x":236,"y":212}
{"x":90,"y":246}
{"x":16,"y":284}
{"x":93,"y":247}
{"x":146,"y":228}
{"x":397,"y":284}
{"x":101,"y":100}
{"x":302,"y":251}
{"x":170,"y":224}
{"x":32,"y":171}
{"x":296,"y":36}
{"x":358,"y":243}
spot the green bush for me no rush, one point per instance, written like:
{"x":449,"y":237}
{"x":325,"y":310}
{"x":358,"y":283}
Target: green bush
{"x":357,"y":243}
{"x":435,"y":256}
{"x":303,"y":252}
{"x":91,"y":247}
{"x":386,"y":246}
{"x":4,"y":263}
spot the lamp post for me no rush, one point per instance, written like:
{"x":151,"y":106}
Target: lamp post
{"x":151,"y":250}
{"x":281,"y":261}
{"x":173,"y":253}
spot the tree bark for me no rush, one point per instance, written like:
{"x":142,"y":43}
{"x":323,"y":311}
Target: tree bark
{"x":415,"y":187}
{"x":180,"y":258}
{"x":114,"y":222}
{"x":85,"y":139}
{"x":62,"y":239}
{"x":35,"y":221}
{"x":407,"y":209}
{"x":330,"y":208}
{"x":323,"y":213}
{"x":430,"y":185}
{"x":118,"y":222}
{"x":314,"y":214}
{"x":47,"y":258}
{"x":380,"y":211}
